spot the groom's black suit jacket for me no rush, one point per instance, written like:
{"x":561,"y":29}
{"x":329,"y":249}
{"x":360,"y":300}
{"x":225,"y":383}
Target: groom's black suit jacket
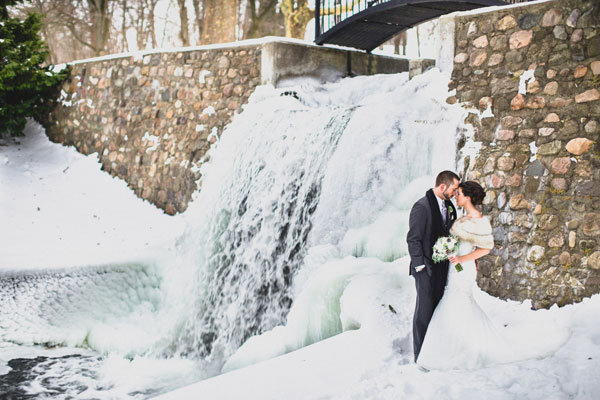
{"x":425,"y":227}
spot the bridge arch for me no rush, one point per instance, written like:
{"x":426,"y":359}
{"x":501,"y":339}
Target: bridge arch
{"x":365,"y":24}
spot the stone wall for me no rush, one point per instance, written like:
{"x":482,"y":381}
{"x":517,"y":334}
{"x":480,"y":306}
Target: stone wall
{"x":152,"y":116}
{"x":539,"y":158}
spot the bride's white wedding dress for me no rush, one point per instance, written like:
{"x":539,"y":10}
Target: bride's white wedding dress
{"x":460,"y":334}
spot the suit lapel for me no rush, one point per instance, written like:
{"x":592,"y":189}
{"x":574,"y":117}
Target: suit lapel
{"x":451,"y":214}
{"x":439,"y":228}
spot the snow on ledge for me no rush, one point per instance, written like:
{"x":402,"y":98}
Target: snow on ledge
{"x":242,"y":43}
{"x":485,"y":10}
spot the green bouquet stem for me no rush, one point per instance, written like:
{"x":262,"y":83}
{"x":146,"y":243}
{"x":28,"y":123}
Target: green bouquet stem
{"x":458,"y":267}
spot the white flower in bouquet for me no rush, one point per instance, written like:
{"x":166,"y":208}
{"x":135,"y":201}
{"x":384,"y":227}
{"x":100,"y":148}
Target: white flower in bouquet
{"x":445,"y":247}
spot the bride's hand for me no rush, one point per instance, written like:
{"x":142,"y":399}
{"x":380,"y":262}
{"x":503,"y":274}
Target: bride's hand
{"x":455,"y":259}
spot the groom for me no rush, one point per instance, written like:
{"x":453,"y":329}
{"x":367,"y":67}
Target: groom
{"x":430,"y":217}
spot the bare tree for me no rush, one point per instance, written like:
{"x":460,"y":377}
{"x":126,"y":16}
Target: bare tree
{"x":400,"y":40}
{"x":297,"y":14}
{"x":62,"y":44}
{"x":263,"y":19}
{"x":184,"y":33}
{"x":88,"y":21}
{"x":220,"y":21}
{"x":199,"y":20}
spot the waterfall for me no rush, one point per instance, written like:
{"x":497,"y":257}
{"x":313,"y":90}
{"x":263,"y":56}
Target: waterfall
{"x":306,"y":175}
{"x":249,"y":225}
{"x":304,"y":169}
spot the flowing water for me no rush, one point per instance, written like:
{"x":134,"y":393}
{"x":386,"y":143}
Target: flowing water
{"x":303,"y":175}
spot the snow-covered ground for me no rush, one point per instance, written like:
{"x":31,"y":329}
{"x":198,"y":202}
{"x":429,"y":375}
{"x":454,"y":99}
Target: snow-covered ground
{"x":59,"y":210}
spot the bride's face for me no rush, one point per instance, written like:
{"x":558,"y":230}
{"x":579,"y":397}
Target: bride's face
{"x":461,"y":199}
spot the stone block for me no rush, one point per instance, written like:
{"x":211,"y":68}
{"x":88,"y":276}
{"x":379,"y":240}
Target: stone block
{"x":506,"y":23}
{"x":510,"y":121}
{"x":461,"y":58}
{"x":489,"y":165}
{"x":587,"y":96}
{"x":564,"y":258}
{"x":505,"y":134}
{"x":505,"y":163}
{"x":519,"y":202}
{"x":560,"y":102}
{"x":591,"y":126}
{"x":580,"y":71}
{"x":547,"y":131}
{"x":588,"y":188}
{"x":477,"y":57}
{"x":495,"y":181}
{"x":495,"y":59}
{"x":552,"y":17}
{"x":490,"y":197}
{"x":485,"y":102}
{"x":527,"y":133}
{"x":593,"y":260}
{"x":579,"y":146}
{"x":481,"y":42}
{"x":559,"y":184}
{"x":591,"y":224}
{"x":518,"y":102}
{"x":573,"y":18}
{"x":593,"y":47}
{"x":520,"y":39}
{"x":560,"y":33}
{"x":550,"y":118}
{"x":560,"y":165}
{"x":535,"y":253}
{"x":533,"y":87}
{"x":535,"y":102}
{"x":577,"y":35}
{"x":528,"y":20}
{"x":514,"y":180}
{"x":556,"y":241}
{"x":549,"y":149}
{"x":501,"y":201}
{"x":548,"y":222}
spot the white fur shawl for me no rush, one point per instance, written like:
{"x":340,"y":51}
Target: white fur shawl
{"x":477,"y":231}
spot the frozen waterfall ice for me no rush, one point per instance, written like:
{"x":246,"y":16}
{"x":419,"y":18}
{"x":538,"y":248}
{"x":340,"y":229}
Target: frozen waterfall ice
{"x":306,"y":185}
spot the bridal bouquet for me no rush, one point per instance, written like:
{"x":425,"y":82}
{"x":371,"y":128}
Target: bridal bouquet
{"x":444,"y":247}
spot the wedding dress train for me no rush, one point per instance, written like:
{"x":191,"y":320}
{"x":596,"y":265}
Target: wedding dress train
{"x":460,"y":334}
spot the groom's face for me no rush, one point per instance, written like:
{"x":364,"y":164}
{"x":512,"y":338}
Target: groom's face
{"x":449,"y":191}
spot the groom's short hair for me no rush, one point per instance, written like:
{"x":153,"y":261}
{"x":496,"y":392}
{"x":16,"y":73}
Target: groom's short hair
{"x":446,"y":177}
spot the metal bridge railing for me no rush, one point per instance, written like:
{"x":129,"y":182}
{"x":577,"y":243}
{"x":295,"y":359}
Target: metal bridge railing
{"x":329,"y":13}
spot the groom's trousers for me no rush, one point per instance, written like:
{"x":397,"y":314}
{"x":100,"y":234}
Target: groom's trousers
{"x":430,"y":290}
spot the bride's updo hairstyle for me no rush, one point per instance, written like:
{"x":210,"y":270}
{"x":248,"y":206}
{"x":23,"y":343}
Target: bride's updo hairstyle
{"x":474,"y":191}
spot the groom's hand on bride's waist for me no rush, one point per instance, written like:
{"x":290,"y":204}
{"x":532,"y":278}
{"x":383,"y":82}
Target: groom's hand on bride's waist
{"x":419,"y":268}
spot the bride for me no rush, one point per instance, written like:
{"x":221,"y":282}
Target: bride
{"x":460,"y":334}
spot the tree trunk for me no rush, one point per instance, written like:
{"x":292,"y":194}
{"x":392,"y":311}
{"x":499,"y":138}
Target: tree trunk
{"x":124,"y":43}
{"x":152,"y":22}
{"x":265,"y":21}
{"x":199,"y":9}
{"x":296,"y":17}
{"x":220,"y":21}
{"x":184,"y":33}
{"x":100,"y":25}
